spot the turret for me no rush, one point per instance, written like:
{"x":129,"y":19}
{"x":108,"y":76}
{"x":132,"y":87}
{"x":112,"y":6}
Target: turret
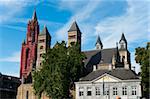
{"x":124,"y":53}
{"x":123,"y":42}
{"x":44,"y":42}
{"x":74,"y":34}
{"x":98,"y":43}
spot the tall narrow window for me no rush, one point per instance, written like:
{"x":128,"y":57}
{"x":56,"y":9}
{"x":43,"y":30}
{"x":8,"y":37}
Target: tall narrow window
{"x":97,"y":90}
{"x":115,"y":91}
{"x":81,"y":91}
{"x":124,"y":90}
{"x":27,"y":95}
{"x":89,"y":91}
{"x":133,"y":90}
{"x":33,"y":36}
{"x":27,"y":55}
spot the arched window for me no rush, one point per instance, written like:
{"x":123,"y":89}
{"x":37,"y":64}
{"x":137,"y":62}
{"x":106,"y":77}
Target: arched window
{"x":41,"y":47}
{"x":27,"y":94}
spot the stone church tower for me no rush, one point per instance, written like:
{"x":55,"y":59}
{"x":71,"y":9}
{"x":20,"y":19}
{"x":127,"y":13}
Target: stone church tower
{"x":44,"y":41}
{"x":29,"y":50}
{"x":74,"y":34}
{"x":31,"y":57}
{"x":124,"y":53}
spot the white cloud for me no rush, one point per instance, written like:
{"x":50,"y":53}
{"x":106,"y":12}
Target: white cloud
{"x":81,"y":15}
{"x":11,"y":8}
{"x":134,"y":23}
{"x":20,"y":28}
{"x":15,"y":57}
{"x":72,"y":5}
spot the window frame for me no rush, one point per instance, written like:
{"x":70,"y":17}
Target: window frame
{"x":134,"y":90}
{"x":97,"y":91}
{"x":81,"y":91}
{"x":124,"y":90}
{"x":89,"y":91}
{"x":115,"y":91}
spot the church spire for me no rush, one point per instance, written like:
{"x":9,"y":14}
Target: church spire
{"x":98,"y":43}
{"x":123,"y":38}
{"x":34,"y":17}
{"x":123,"y":42}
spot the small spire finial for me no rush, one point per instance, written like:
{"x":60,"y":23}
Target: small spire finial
{"x":98,"y":43}
{"x":34,"y":17}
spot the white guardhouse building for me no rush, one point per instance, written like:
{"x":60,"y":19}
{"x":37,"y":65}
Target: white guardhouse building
{"x":106,"y":84}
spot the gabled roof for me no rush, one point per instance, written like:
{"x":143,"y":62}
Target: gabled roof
{"x":74,"y":27}
{"x":120,"y":73}
{"x":99,"y":41}
{"x":123,"y":38}
{"x":34,"y":17}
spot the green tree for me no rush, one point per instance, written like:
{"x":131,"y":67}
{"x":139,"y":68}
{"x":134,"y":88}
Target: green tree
{"x":143,"y":58}
{"x":61,"y":67}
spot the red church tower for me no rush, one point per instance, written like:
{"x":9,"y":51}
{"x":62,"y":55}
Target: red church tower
{"x":29,"y":50}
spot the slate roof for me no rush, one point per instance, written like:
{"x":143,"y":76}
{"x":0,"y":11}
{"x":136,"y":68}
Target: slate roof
{"x":44,"y":31}
{"x":121,"y":73}
{"x":74,"y":27}
{"x":99,"y":56}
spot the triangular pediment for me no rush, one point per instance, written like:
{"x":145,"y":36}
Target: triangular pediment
{"x":106,"y":78}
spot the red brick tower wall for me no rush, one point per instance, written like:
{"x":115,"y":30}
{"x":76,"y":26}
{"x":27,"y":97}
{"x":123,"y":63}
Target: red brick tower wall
{"x":29,"y":48}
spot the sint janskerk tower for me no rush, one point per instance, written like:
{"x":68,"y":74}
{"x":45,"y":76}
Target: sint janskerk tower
{"x":29,"y":50}
{"x":33,"y":47}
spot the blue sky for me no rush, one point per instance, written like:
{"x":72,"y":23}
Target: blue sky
{"x":108,"y":18}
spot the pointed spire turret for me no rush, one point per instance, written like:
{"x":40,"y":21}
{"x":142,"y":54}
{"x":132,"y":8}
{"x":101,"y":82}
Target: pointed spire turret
{"x":34,"y":17}
{"x":98,"y":43}
{"x":123,"y":38}
{"x":74,"y":27}
{"x":123,"y":42}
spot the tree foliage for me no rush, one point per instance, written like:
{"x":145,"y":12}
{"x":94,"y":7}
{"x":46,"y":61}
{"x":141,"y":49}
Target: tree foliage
{"x":60,"y":67}
{"x":143,"y":58}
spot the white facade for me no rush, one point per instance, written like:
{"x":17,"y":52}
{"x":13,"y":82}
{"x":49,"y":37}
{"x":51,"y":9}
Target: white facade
{"x":108,"y":87}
